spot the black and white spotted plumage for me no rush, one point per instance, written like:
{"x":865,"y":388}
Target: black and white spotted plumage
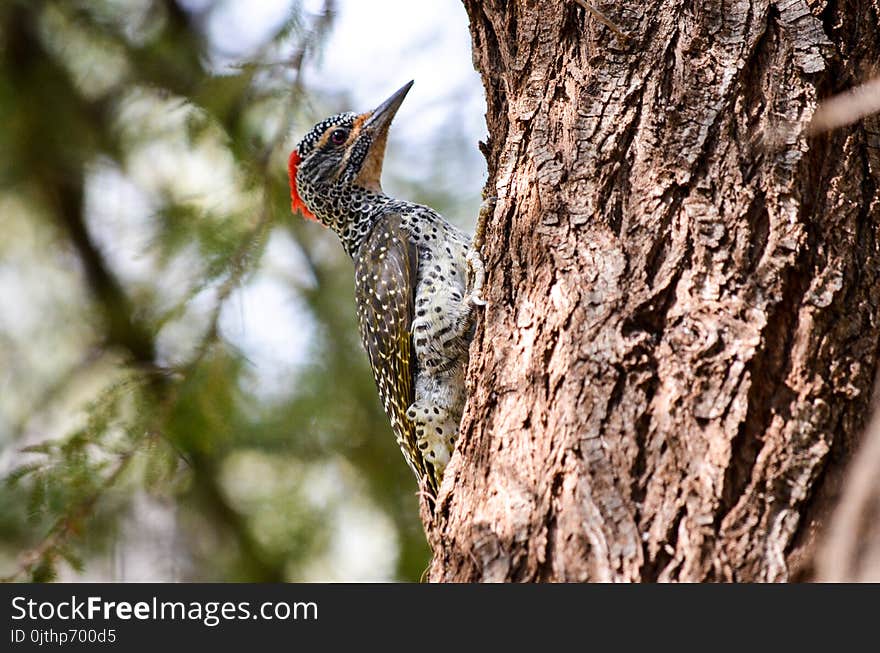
{"x":415,"y":301}
{"x":385,"y":268}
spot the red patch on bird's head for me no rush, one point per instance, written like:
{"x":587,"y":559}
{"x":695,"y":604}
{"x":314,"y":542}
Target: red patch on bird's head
{"x":296,"y":203}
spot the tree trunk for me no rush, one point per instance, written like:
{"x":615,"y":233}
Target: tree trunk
{"x":681,"y":339}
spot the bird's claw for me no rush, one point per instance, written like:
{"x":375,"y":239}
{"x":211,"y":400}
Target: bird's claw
{"x":476,"y":268}
{"x":478,"y":271}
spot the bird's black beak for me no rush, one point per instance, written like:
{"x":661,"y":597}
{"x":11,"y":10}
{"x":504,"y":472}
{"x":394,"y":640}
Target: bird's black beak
{"x":375,"y":128}
{"x":382,"y":115}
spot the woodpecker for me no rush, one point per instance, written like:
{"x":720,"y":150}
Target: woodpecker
{"x":418,"y":281}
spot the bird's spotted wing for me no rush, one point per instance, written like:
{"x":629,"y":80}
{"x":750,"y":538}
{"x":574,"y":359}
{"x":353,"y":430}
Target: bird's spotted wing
{"x":385,"y":279}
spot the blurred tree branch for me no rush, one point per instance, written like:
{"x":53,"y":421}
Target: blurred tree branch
{"x":173,"y":62}
{"x":851,"y":551}
{"x":847,"y":107}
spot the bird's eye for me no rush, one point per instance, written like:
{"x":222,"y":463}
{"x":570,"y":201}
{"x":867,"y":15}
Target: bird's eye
{"x":339,"y":136}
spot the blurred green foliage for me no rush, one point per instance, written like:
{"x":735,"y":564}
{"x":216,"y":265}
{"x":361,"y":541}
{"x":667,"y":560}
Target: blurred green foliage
{"x":119,"y":385}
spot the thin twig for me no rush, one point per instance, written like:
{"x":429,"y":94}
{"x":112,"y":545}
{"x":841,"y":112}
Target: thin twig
{"x":66,"y":524}
{"x":602,"y":18}
{"x":55,"y":390}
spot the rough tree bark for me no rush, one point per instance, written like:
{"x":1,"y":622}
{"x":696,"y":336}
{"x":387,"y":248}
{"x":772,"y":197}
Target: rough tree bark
{"x":681,"y":339}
